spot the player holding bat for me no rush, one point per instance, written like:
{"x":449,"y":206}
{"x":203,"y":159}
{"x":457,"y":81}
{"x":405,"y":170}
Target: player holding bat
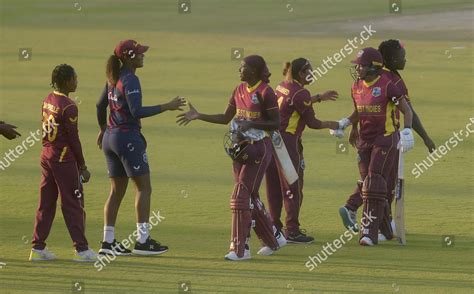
{"x":393,"y":53}
{"x":376,"y":98}
{"x":254,"y":106}
{"x":296,"y":112}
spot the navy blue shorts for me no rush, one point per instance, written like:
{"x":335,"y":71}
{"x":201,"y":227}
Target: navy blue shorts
{"x":125,"y":152}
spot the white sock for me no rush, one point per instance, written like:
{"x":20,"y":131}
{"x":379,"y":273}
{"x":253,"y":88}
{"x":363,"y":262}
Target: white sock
{"x":109,"y":234}
{"x":143,"y":232}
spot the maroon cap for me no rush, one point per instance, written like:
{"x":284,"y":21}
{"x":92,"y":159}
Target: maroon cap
{"x":129,"y":47}
{"x":369,"y":56}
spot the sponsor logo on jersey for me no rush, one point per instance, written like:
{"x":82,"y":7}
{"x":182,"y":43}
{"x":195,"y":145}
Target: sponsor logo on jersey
{"x":369,"y":108}
{"x":282,"y":90}
{"x":242,"y":113}
{"x":136,"y":91}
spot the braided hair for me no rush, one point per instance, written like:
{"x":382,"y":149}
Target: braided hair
{"x":62,"y":74}
{"x":388,"y":49}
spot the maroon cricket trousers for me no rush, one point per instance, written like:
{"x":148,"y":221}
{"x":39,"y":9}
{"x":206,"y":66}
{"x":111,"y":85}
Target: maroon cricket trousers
{"x":251,"y":175}
{"x":60,"y":178}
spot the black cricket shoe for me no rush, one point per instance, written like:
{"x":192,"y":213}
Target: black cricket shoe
{"x":114,"y":248}
{"x":299,"y":237}
{"x":150,"y":247}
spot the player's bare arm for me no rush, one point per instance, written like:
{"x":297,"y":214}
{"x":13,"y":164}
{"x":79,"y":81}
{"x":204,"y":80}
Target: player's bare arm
{"x":420,"y":130}
{"x":193,"y":114}
{"x":330,"y":95}
{"x":175,"y":104}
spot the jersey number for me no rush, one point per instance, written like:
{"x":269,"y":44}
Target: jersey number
{"x":50,"y":127}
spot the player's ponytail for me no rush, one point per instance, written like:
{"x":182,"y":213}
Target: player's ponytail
{"x":292,"y":70}
{"x":286,"y":71}
{"x":113,"y":69}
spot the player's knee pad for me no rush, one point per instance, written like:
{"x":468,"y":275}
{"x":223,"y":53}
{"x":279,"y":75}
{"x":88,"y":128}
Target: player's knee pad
{"x":241,"y":218}
{"x":374,"y":187}
{"x":240,"y":199}
{"x":263,"y":224}
{"x":385,"y":225}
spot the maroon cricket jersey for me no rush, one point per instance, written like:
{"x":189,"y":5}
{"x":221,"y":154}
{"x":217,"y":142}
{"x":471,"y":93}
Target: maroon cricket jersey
{"x":295,"y":105}
{"x":375,"y":106}
{"x":60,"y":134}
{"x":247,"y":104}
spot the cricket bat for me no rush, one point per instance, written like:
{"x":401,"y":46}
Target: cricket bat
{"x":400,"y":202}
{"x":283,"y":157}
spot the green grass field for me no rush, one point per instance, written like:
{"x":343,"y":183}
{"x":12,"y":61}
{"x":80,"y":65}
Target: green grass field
{"x":190,"y":55}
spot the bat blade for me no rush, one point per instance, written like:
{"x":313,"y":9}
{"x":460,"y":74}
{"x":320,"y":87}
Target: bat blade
{"x":283,"y":157}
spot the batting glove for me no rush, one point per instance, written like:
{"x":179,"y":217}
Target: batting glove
{"x":337,"y":133}
{"x":344,"y":123}
{"x":407,"y":141}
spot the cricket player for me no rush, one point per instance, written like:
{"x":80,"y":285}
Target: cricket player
{"x":63,"y":169}
{"x":375,"y":99}
{"x":8,"y":131}
{"x":254,"y":106}
{"x":124,"y":146}
{"x":296,"y":112}
{"x":393,"y":53}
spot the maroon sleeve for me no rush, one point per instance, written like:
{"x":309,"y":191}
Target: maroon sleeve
{"x":270,"y":99}
{"x":304,"y":106}
{"x":70,"y":121}
{"x":394,"y":93}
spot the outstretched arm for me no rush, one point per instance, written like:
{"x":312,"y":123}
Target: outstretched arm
{"x":139,"y":111}
{"x":193,"y":114}
{"x":133,"y":95}
{"x":8,"y":131}
{"x":326,"y":96}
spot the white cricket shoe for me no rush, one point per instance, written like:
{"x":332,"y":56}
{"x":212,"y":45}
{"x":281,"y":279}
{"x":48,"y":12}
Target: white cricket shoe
{"x":382,"y":237}
{"x":85,"y":256}
{"x":366,"y":241}
{"x":265,"y":250}
{"x":233,"y":256}
{"x":38,"y":255}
